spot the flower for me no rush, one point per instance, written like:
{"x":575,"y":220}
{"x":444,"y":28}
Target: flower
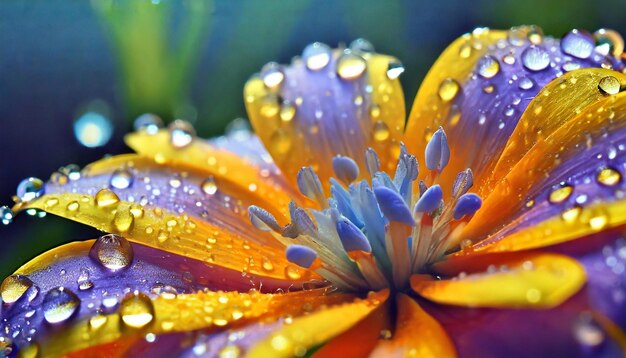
{"x":310,"y":247}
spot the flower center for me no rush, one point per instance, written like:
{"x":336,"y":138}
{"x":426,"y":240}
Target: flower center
{"x":377,"y":233}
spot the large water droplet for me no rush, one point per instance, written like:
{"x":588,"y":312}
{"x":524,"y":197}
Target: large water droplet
{"x":209,"y":186}
{"x":181,"y":133}
{"x":316,"y":56}
{"x":93,"y":129}
{"x":571,"y":215}
{"x":448,"y":89}
{"x":535,"y":58}
{"x":488,"y":66}
{"x":578,"y":44}
{"x":136,"y":310}
{"x":609,"y":85}
{"x":287,"y":111}
{"x":59,"y":305}
{"x":6,"y":215}
{"x":351,"y":66}
{"x":121,"y":179}
{"x":526,"y":83}
{"x":361,"y":45}
{"x":105,"y":198}
{"x":123,"y":219}
{"x":609,"y":42}
{"x":394,"y":69}
{"x":112,"y":251}
{"x":560,"y":194}
{"x":29,"y":189}
{"x":14,"y":287}
{"x":272,"y":76}
{"x":609,"y":177}
{"x":148,"y":123}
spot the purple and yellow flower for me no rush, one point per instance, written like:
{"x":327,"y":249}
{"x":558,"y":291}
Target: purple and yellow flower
{"x":320,"y":235}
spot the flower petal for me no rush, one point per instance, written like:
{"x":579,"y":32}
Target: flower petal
{"x":214,"y":226}
{"x":560,"y":172}
{"x":478,"y":89}
{"x":417,"y":334}
{"x":308,"y":331}
{"x":524,"y":280}
{"x":308,"y":112}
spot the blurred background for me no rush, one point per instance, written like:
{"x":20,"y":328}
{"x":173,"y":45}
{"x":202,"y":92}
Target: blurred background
{"x":74,"y":63}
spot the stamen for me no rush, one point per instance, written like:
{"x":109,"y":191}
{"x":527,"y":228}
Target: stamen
{"x":393,"y":206}
{"x":463,"y":182}
{"x":351,"y":237}
{"x":345,"y":169}
{"x":430,"y":200}
{"x":262,"y":219}
{"x":300,"y":255}
{"x":467,"y":204}
{"x":372,"y":162}
{"x":437,"y":151}
{"x":310,"y":186}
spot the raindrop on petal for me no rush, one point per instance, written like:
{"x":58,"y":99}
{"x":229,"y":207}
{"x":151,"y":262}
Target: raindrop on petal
{"x":394,"y":70}
{"x":136,"y":310}
{"x":316,"y":56}
{"x":181,"y":133}
{"x":488,"y":66}
{"x":535,"y":58}
{"x":448,"y":89}
{"x":578,"y":44}
{"x":609,"y":85}
{"x":59,"y":305}
{"x":351,"y":66}
{"x":112,"y":251}
{"x":148,"y":123}
{"x":14,"y":287}
{"x":121,"y":179}
{"x":29,"y":189}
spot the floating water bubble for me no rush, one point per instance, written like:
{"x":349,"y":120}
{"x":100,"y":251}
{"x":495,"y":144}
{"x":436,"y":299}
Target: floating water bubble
{"x":112,"y":251}
{"x":59,"y":305}
{"x":93,"y":129}
{"x":316,"y":56}
{"x":136,"y":310}
{"x":148,"y":123}
{"x":181,"y":133}
{"x":578,"y":44}
{"x":29,"y":189}
{"x":121,"y":179}
{"x":6,"y":215}
{"x":535,"y":58}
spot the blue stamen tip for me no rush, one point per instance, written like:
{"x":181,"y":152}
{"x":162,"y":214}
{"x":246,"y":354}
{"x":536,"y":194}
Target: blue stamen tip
{"x":262,"y":219}
{"x":467,"y":204}
{"x":351,"y":237}
{"x":393,"y":206}
{"x":372,"y":162}
{"x":345,"y":169}
{"x":300,"y":255}
{"x":437,"y":151}
{"x":309,"y":183}
{"x":430,"y":200}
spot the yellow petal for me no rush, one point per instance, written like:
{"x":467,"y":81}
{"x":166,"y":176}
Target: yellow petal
{"x":533,"y":280}
{"x":176,"y":233}
{"x":558,"y":229}
{"x":430,"y":111}
{"x":510,"y":193}
{"x":557,"y":103}
{"x":308,"y":331}
{"x":203,"y":310}
{"x":328,"y":115}
{"x":417,"y":334}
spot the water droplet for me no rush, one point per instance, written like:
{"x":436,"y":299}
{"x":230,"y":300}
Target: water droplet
{"x":181,"y":133}
{"x":517,"y":36}
{"x":97,"y":321}
{"x":73,"y":206}
{"x":609,"y":42}
{"x":112,"y":251}
{"x":394,"y":70}
{"x":59,"y":305}
{"x":287,"y":111}
{"x":267,"y":264}
{"x":533,"y":295}
{"x":230,"y":351}
{"x":488,"y":66}
{"x":280,"y":142}
{"x":14,"y":287}
{"x":535,"y":34}
{"x":587,"y":331}
{"x":83,"y":280}
{"x":272,"y":76}
{"x":105,"y":198}
{"x":578,"y":44}
{"x":29,"y":189}
{"x":174,"y":182}
{"x":59,"y":178}
{"x":598,"y":221}
{"x":6,"y":215}
{"x":381,"y":131}
{"x":526,"y":83}
{"x":571,"y":215}
{"x":292,"y":273}
{"x":148,"y":123}
{"x":535,"y":58}
{"x":136,"y":310}
{"x":570,"y":66}
{"x":361,"y":45}
{"x":609,"y":85}
{"x":316,"y":56}
{"x":560,"y":194}
{"x":123,"y":219}
{"x":375,"y":111}
{"x":121,"y":179}
{"x":448,"y":89}
{"x":93,"y":129}
{"x":465,"y":51}
{"x":609,"y":177}
{"x":208,"y":186}
{"x":351,"y":66}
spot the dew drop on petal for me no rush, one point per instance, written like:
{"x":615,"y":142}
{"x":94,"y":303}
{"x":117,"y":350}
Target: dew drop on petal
{"x":448,"y":89}
{"x":316,"y":56}
{"x":535,"y":58}
{"x":560,"y":194}
{"x":272,"y":76}
{"x":209,"y":186}
{"x":609,"y":85}
{"x":488,"y":66}
{"x":121,"y":179}
{"x":136,"y":310}
{"x":361,"y":45}
{"x":394,"y":70}
{"x":381,"y":131}
{"x":609,"y":42}
{"x":148,"y":123}
{"x":29,"y":189}
{"x":6,"y":215}
{"x":181,"y":133}
{"x":59,"y":305}
{"x":105,"y":198}
{"x":571,"y":215}
{"x":14,"y":287}
{"x":112,"y":251}
{"x":97,"y":321}
{"x":83,"y":280}
{"x":587,"y":332}
{"x":609,"y":177}
{"x":123,"y":219}
{"x":578,"y":44}
{"x":280,"y":142}
{"x":287,"y":111}
{"x":230,"y":351}
{"x":351,"y":66}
